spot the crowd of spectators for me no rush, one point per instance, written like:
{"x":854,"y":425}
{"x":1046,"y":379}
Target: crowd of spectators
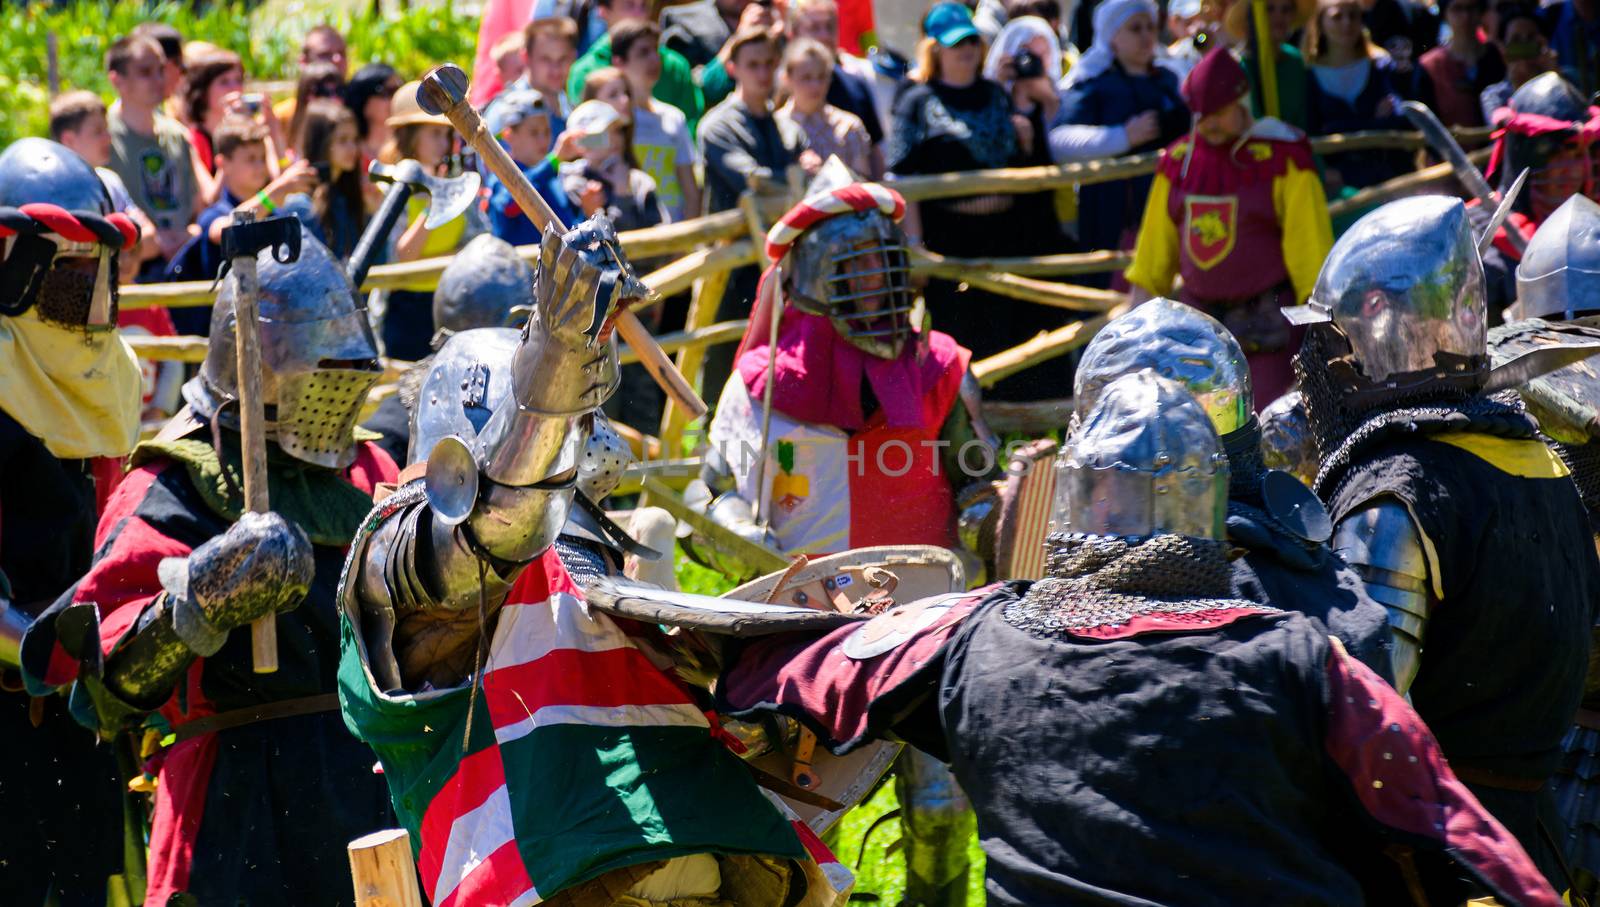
{"x":654,"y":115}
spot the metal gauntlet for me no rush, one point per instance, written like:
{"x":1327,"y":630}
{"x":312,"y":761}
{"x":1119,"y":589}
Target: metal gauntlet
{"x":262,"y":565}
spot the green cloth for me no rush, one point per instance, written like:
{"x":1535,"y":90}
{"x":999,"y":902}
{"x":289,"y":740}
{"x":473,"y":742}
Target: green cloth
{"x":715,"y":83}
{"x":676,"y":85}
{"x":319,"y":501}
{"x":1294,"y":87}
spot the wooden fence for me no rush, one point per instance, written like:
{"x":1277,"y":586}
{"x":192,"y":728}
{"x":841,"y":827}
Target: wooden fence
{"x":705,"y":250}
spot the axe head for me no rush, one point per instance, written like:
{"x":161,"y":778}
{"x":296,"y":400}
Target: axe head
{"x":447,"y":196}
{"x":442,"y":89}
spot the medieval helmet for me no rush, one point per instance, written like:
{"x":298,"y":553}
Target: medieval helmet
{"x":1404,"y":289}
{"x":469,"y":378}
{"x":486,"y":285}
{"x":318,"y":357}
{"x":844,"y":257}
{"x":62,"y":238}
{"x":1144,"y":461}
{"x":1559,"y":276}
{"x":1177,"y":342}
{"x":1287,"y":442}
{"x":1547,"y":116}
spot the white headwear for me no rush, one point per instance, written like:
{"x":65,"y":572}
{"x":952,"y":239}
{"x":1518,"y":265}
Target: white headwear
{"x":1017,"y":33}
{"x":1109,"y":17}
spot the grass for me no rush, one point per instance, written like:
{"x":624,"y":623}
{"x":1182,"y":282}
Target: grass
{"x":880,"y":875}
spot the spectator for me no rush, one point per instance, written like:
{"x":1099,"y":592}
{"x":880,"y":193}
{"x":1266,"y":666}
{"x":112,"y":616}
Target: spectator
{"x":592,"y":25}
{"x":1353,"y":89}
{"x":247,"y":185}
{"x":1117,"y":101}
{"x":1405,"y":29}
{"x":318,"y":81}
{"x":740,"y":139}
{"x":674,"y":85}
{"x":150,"y":151}
{"x":662,"y":140}
{"x":369,"y":96}
{"x":699,"y":30}
{"x":948,"y":119}
{"x":1525,"y":52}
{"x":854,"y":81}
{"x":1026,"y":61}
{"x":508,"y":60}
{"x":808,"y":69}
{"x":331,"y":144}
{"x":78,"y":121}
{"x":427,"y":139}
{"x":1187,"y":31}
{"x":1574,"y":30}
{"x":550,"y":47}
{"x":212,"y":89}
{"x":522,"y":123}
{"x":989,"y":16}
{"x":1454,"y":75}
{"x":744,"y":145}
{"x":1284,"y":18}
{"x":715,"y":81}
{"x":171,"y":55}
{"x":322,"y":44}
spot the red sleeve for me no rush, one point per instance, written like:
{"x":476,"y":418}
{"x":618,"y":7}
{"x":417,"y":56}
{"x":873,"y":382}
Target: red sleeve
{"x":123,"y":582}
{"x":1401,"y":778}
{"x":848,"y":700}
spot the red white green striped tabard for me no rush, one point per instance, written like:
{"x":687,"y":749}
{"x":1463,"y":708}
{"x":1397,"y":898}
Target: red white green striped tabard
{"x":583,"y":757}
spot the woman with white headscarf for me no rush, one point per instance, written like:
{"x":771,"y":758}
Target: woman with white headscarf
{"x":1115,"y":101}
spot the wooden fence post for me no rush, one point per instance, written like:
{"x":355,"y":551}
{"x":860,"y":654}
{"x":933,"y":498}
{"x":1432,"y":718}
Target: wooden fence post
{"x":381,"y":868}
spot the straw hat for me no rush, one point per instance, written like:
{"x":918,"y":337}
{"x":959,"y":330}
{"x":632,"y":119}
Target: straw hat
{"x":404,"y":110}
{"x":1237,"y":19}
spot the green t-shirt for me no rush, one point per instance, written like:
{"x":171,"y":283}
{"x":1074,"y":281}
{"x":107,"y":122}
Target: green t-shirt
{"x":676,"y":85}
{"x":158,"y":170}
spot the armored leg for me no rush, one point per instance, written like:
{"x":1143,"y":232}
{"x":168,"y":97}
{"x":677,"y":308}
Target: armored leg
{"x":936,"y":822}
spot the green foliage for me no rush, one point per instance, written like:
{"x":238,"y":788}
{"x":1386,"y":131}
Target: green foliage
{"x":267,"y":37}
{"x":881,"y":870}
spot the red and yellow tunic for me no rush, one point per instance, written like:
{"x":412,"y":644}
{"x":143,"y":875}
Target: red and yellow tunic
{"x":1237,"y":221}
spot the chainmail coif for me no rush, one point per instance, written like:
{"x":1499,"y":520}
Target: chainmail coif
{"x":1102,"y":581}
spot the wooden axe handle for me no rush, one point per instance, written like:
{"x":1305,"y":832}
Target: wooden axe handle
{"x":253,"y":435}
{"x":654,"y":359}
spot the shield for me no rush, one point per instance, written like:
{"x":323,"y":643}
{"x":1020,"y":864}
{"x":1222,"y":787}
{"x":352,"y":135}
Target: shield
{"x":1026,"y":500}
{"x":1210,"y":227}
{"x":1566,"y":401}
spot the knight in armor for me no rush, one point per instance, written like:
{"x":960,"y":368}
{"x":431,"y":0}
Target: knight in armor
{"x":852,"y":430}
{"x":260,"y":786}
{"x":1237,"y":211}
{"x":1133,"y":733}
{"x":1548,"y":128}
{"x":1558,"y":301}
{"x":1457,"y":516}
{"x":70,"y":394}
{"x":532,"y":746}
{"x":1279,"y":525}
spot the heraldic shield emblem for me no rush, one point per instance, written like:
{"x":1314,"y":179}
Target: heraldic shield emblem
{"x":1210,"y":225}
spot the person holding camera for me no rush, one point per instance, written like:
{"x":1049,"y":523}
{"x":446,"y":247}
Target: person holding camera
{"x":1117,"y":101}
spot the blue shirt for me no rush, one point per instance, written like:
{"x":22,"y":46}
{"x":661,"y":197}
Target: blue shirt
{"x":506,"y":219}
{"x":210,"y":252}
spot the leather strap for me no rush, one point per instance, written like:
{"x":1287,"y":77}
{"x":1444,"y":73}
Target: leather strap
{"x":783,"y":788}
{"x":283,"y":708}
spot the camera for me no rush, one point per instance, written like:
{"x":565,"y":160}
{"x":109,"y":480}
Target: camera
{"x":324,"y":171}
{"x":252,"y":102}
{"x":1028,"y":64}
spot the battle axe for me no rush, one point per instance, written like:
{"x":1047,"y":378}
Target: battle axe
{"x":240,"y":243}
{"x":448,"y":197}
{"x":444,"y":92}
{"x":1440,"y":140}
